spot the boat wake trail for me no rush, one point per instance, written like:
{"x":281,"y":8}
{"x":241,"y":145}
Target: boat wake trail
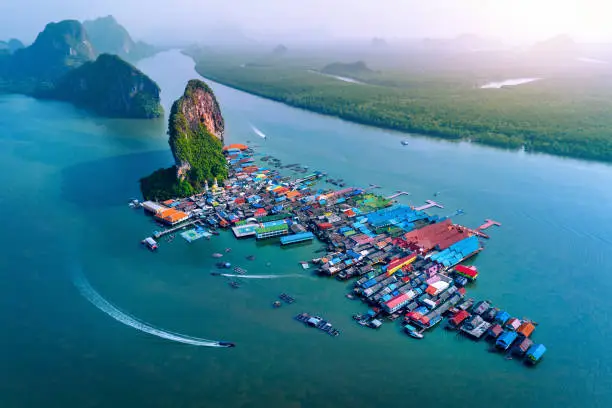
{"x":89,"y":293}
{"x":293,"y":275}
{"x":259,"y":132}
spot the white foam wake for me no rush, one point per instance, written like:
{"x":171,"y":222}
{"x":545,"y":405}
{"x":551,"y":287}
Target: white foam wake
{"x":89,"y":293}
{"x":258,"y":132}
{"x":293,"y":275}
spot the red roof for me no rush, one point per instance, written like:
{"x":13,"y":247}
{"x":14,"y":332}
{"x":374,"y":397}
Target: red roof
{"x":469,"y":271}
{"x":442,"y":234}
{"x":324,"y":225}
{"x":396,"y":301}
{"x":260,"y":212}
{"x":459,"y":317}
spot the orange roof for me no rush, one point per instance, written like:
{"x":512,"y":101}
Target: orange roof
{"x":166,"y":212}
{"x":238,"y":146}
{"x":171,"y":215}
{"x":526,"y":329}
{"x":292,"y":194}
{"x":168,"y":202}
{"x":431,"y":290}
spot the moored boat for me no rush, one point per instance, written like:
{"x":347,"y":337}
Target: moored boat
{"x":413,"y":331}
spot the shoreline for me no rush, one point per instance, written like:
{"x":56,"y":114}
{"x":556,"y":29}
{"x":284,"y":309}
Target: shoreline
{"x":405,"y":131}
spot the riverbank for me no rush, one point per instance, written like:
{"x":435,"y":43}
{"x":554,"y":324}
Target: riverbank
{"x":544,"y":116}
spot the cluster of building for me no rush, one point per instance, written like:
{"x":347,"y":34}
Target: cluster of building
{"x":406,"y":262}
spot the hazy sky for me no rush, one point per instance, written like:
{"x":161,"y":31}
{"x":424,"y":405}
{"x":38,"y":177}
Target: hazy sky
{"x":518,"y":20}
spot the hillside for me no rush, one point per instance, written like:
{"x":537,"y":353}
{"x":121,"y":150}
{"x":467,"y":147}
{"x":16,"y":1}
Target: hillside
{"x":110,"y":87}
{"x":59,"y":48}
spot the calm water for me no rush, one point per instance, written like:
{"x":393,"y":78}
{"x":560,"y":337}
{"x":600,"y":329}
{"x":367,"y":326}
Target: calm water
{"x":66,"y":177}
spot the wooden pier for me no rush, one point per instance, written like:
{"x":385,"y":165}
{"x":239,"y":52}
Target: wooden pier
{"x":399,"y":193}
{"x":160,"y":234}
{"x":430,"y":204}
{"x":489,"y":223}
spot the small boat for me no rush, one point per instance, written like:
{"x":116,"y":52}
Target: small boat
{"x":227,"y":344}
{"x":150,"y":243}
{"x":228,"y":249}
{"x":250,"y":258}
{"x":234,"y":284}
{"x":413,"y":332}
{"x":217,"y":255}
{"x":276,"y":304}
{"x":404,"y":142}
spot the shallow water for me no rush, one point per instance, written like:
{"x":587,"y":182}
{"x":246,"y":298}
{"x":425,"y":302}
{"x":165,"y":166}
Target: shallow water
{"x":67,"y":176}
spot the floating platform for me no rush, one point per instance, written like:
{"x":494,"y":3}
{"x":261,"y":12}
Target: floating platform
{"x":294,"y":239}
{"x":245,"y":230}
{"x":195,"y":234}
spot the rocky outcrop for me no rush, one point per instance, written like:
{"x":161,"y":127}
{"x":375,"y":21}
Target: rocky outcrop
{"x":58,"y":49}
{"x":110,"y":87}
{"x":196,"y":130}
{"x":200,"y":108}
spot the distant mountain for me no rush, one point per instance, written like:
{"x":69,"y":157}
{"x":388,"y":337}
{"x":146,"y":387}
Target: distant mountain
{"x":110,"y":87}
{"x":347,"y":69}
{"x":279,"y":50}
{"x":558,"y":44}
{"x":11,"y":45}
{"x":60,"y":65}
{"x":378,"y":42}
{"x":59,"y":48}
{"x":110,"y":37}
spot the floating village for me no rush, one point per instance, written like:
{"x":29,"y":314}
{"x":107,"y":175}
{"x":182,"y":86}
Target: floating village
{"x":406,"y":265}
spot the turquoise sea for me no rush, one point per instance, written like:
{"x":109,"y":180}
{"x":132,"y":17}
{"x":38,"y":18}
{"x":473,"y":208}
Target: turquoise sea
{"x":66,"y":177}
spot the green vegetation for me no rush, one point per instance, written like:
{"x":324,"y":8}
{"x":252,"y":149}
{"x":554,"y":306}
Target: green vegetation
{"x":59,"y":48}
{"x":110,"y":87}
{"x":347,"y":69}
{"x":60,"y":65}
{"x":193,"y":143}
{"x":197,"y":152}
{"x":162,"y":185}
{"x":109,"y":37}
{"x":566,"y":113}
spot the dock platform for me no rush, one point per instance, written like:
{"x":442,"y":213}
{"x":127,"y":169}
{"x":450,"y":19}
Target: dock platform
{"x":246,"y":230}
{"x":159,"y":234}
{"x":430,"y":204}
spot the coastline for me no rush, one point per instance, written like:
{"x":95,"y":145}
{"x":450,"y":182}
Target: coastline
{"x":402,"y":129}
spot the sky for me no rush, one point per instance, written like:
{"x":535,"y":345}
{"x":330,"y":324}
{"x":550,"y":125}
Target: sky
{"x":193,"y":20}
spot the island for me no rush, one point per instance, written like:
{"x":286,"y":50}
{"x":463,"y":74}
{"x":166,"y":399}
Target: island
{"x":195,"y":130}
{"x":61,"y":64}
{"x":111,"y":87}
